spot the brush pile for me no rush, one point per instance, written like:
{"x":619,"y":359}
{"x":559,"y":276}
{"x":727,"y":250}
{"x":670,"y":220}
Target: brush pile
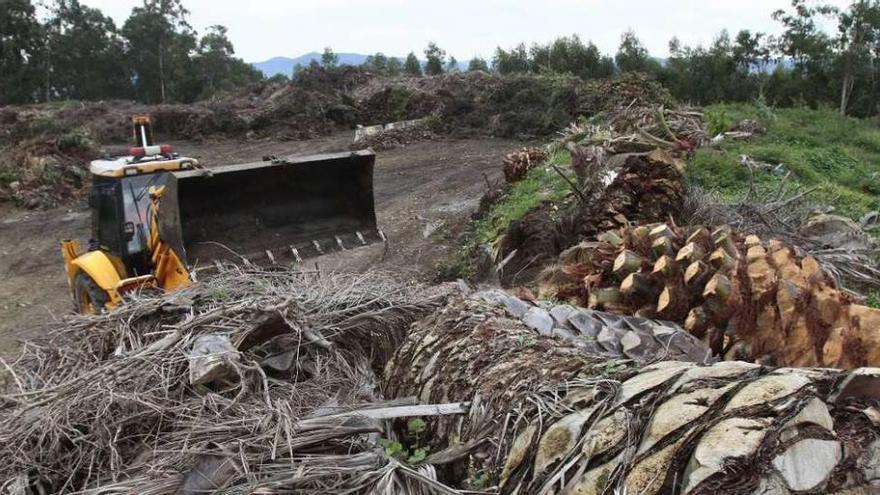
{"x":517,"y":164}
{"x":46,"y":172}
{"x":640,"y":128}
{"x":316,"y":102}
{"x":121,"y":403}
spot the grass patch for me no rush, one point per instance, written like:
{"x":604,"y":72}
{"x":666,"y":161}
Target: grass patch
{"x":540,"y":184}
{"x":838,"y":155}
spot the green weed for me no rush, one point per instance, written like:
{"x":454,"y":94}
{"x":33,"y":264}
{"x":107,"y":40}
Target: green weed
{"x":873,"y":300}
{"x":414,"y":452}
{"x":839,"y":156}
{"x":540,"y":184}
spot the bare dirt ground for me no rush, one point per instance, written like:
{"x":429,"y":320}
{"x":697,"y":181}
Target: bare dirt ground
{"x":425,"y":193}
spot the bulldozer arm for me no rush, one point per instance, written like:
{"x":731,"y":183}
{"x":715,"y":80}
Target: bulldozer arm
{"x":278,"y":210}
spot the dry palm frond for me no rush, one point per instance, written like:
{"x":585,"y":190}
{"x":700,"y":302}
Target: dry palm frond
{"x":104,"y":403}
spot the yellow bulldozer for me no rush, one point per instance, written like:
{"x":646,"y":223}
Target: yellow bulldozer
{"x":157,"y":217}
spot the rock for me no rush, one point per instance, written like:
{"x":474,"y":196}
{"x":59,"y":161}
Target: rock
{"x":539,"y":320}
{"x":808,"y":463}
{"x":734,"y":437}
{"x":862,"y":383}
{"x":869,"y":461}
{"x":835,"y":231}
{"x":767,"y":389}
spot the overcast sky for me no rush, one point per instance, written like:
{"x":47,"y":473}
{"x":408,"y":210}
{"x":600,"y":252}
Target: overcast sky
{"x":261,"y":29}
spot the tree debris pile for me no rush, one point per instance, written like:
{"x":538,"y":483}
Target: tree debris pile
{"x":517,"y":164}
{"x":316,"y":102}
{"x":502,"y":105}
{"x":134,"y":401}
{"x":546,"y":419}
{"x":394,"y":138}
{"x":678,"y":428}
{"x":647,"y":188}
{"x":639,"y":129}
{"x":46,"y":172}
{"x":747,"y":298}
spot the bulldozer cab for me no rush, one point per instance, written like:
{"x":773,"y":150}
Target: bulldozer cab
{"x":120,"y":218}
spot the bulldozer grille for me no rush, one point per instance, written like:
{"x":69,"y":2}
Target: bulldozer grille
{"x":283,"y":209}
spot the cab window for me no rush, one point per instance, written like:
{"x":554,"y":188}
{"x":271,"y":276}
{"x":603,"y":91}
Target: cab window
{"x":108,"y":233}
{"x":136,"y":209}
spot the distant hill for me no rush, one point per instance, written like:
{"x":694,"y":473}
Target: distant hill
{"x":285,"y":65}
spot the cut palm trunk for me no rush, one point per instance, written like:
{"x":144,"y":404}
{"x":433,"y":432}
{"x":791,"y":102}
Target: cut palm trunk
{"x":548,"y":418}
{"x":748,"y":298}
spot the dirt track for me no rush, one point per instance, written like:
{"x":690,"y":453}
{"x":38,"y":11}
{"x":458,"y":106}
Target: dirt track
{"x":424,"y":194}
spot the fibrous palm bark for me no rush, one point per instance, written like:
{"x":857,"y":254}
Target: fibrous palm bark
{"x":748,"y":298}
{"x":548,"y":417}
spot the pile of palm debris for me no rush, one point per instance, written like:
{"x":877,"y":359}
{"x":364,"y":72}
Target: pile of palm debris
{"x":247,"y":380}
{"x":763,"y":278}
{"x":518,"y":163}
{"x":545,"y":417}
{"x":748,"y":298}
{"x":289,"y":381}
{"x":318,"y":101}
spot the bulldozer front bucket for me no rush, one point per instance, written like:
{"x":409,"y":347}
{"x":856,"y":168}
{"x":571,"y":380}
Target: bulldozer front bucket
{"x":279,"y":210}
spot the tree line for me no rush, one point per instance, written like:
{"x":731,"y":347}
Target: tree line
{"x":76,"y":52}
{"x":72,"y":51}
{"x":804,"y":65}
